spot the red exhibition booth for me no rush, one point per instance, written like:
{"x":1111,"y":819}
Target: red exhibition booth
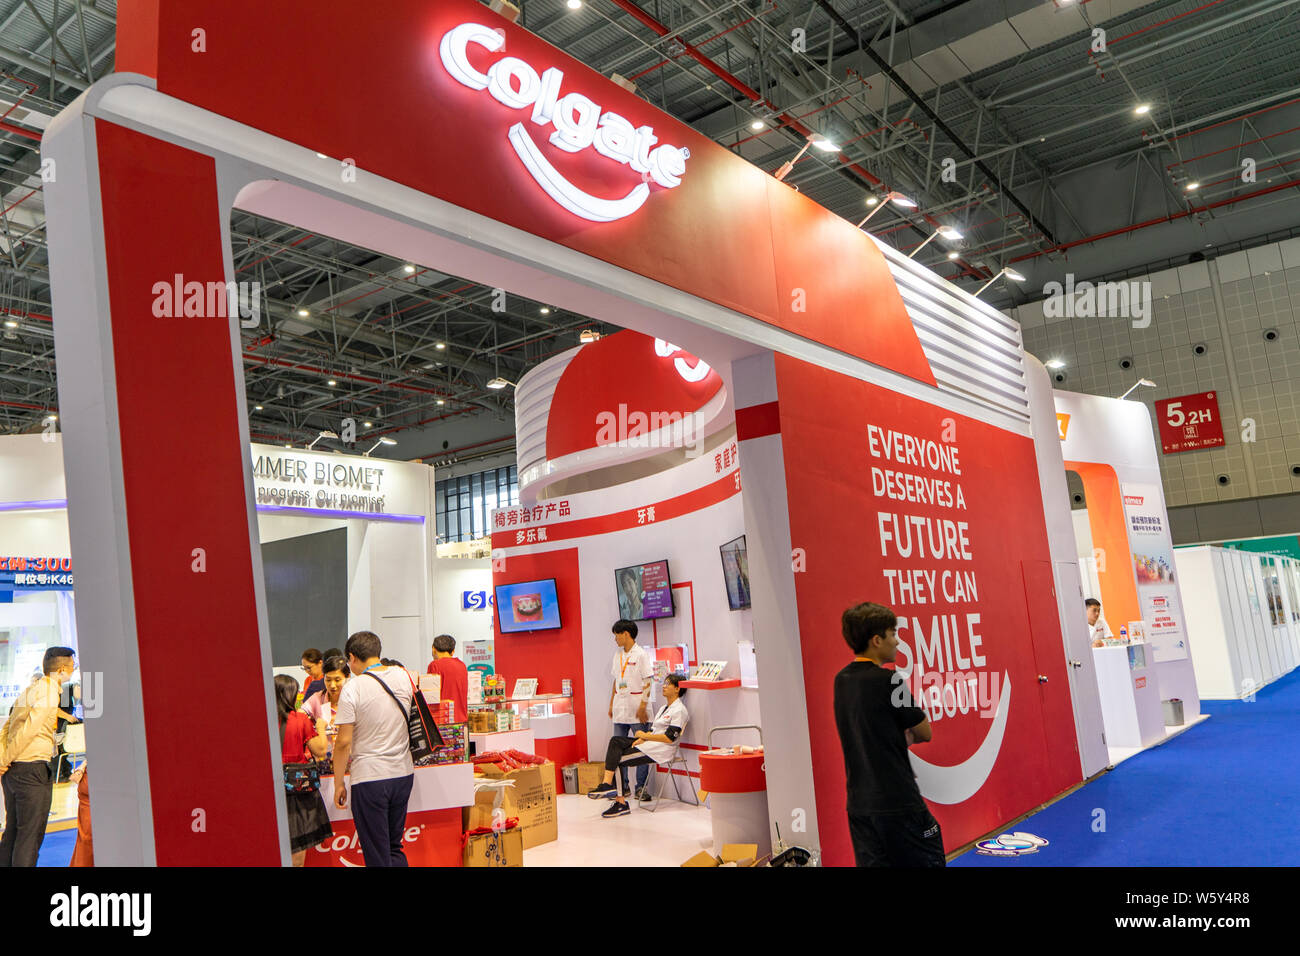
{"x":885,"y":444}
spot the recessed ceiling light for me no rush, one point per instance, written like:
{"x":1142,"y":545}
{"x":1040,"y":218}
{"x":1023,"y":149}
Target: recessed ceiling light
{"x":257,"y":408}
{"x":368,"y":424}
{"x":1054,"y":363}
{"x":441,"y":345}
{"x":545,"y":311}
{"x":331,"y":382}
{"x":441,"y":402}
{"x":408,"y":268}
{"x":304,"y":313}
{"x":954,"y":255}
{"x":1142,"y":109}
{"x":757,"y":124}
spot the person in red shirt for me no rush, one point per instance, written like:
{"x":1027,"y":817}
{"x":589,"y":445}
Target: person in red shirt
{"x":300,"y":742}
{"x":455,"y":676}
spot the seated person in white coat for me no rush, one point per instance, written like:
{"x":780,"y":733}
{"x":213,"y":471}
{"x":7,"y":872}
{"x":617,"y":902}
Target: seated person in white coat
{"x":653,"y":746}
{"x":1098,"y":630}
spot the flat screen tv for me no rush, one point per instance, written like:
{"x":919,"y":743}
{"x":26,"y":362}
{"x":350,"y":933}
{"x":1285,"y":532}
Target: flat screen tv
{"x":527,"y":606}
{"x":645,"y":591}
{"x":735,"y":569}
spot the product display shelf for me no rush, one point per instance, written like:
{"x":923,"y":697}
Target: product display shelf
{"x":711,"y":684}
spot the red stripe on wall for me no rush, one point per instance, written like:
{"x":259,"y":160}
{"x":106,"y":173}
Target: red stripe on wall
{"x":691,"y":501}
{"x":161,"y":219}
{"x":758,"y":421}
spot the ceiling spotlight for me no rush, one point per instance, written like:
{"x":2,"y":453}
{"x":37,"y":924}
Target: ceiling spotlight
{"x":948,"y":232}
{"x":441,"y":402}
{"x":10,"y":324}
{"x":1054,"y":363}
{"x":545,"y":311}
{"x":1193,"y":186}
{"x":1142,"y":109}
{"x":573,"y":4}
{"x":257,"y":408}
{"x":51,"y":417}
{"x":952,"y":256}
{"x":408,"y":268}
{"x":440,"y":346}
{"x":872,"y":200}
{"x":382,"y":441}
{"x":368,"y":424}
{"x":757,"y":125}
{"x":499,"y":382}
{"x":1007,"y":271}
{"x":331,"y":382}
{"x":304,"y":313}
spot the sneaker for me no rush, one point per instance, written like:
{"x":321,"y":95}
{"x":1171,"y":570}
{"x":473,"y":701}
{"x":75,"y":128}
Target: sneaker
{"x":617,"y":810}
{"x":644,"y":795}
{"x":603,"y":791}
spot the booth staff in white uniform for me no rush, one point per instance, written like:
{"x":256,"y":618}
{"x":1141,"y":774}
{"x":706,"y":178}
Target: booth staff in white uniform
{"x":1098,"y":629}
{"x":629,"y":700}
{"x":653,"y":746}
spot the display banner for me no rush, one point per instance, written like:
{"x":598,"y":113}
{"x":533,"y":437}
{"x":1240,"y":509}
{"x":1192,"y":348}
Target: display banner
{"x":901,"y":502}
{"x":1153,"y":567}
{"x":479,"y":656}
{"x":1279,"y":545}
{"x":1189,"y":422}
{"x":35,"y":574}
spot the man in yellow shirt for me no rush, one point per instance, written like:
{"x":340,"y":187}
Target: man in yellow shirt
{"x":26,"y":749}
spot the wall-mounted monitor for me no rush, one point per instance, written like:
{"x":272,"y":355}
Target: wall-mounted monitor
{"x":735,"y":570}
{"x":645,"y":591}
{"x":528,"y":606}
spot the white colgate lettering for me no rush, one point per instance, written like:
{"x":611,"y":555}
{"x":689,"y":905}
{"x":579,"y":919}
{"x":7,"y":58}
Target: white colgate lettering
{"x":578,"y":124}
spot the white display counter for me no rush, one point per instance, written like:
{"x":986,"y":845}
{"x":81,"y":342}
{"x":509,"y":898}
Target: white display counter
{"x":501,"y":740}
{"x":1130,"y":696}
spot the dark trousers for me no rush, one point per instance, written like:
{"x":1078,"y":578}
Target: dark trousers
{"x":908,"y":839}
{"x":627,"y":730}
{"x":621,"y":754}
{"x":28,"y":790}
{"x":379,"y":812}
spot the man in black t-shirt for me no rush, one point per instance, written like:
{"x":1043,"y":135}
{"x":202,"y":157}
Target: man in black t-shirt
{"x":889,"y":823}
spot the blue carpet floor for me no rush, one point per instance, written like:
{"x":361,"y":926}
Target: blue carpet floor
{"x":1219,"y":794}
{"x":57,"y":848}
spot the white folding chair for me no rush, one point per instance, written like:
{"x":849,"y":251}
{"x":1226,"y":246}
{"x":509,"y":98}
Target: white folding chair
{"x":676,"y":758}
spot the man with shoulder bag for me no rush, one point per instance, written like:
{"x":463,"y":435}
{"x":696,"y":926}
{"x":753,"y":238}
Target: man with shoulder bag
{"x":377,"y":729}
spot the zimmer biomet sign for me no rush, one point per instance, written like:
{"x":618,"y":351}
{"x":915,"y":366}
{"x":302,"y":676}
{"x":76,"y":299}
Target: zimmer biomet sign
{"x":578,"y":124}
{"x":299,"y":482}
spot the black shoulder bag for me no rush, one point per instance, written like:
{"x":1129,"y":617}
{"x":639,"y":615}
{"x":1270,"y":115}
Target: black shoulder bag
{"x":425,"y":738}
{"x":299,"y":777}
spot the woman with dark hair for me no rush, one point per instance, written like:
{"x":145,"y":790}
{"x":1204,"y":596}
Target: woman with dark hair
{"x":655,"y":745}
{"x":309,"y":822}
{"x":312,"y":660}
{"x":322,"y":705}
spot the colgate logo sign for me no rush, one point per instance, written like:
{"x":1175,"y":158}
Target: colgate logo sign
{"x":690,"y":373}
{"x":579,"y":124}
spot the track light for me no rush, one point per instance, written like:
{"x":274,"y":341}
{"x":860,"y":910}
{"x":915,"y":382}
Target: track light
{"x":1007,"y":271}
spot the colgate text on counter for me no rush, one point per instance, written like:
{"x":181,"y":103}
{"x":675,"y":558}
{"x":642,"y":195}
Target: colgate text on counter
{"x":579,"y":123}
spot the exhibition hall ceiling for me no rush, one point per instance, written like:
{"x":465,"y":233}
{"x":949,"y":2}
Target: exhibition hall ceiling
{"x":1097,"y":139}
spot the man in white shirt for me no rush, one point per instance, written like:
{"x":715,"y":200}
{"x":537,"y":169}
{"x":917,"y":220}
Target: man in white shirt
{"x":1098,"y":629}
{"x":373,"y":732}
{"x":629,"y":699}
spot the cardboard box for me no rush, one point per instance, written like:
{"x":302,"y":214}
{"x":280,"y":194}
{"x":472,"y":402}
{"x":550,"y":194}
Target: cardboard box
{"x":733,"y":854}
{"x":590,"y":775}
{"x":531,"y":799}
{"x":495,"y":849}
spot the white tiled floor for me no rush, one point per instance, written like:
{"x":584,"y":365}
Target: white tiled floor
{"x":667,"y":837}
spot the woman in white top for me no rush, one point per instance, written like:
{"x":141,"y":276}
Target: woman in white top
{"x":653,"y":746}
